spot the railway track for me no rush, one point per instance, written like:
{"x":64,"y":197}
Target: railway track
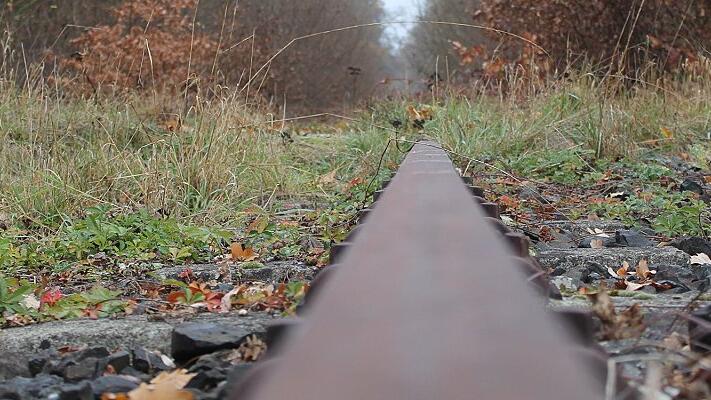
{"x":431,"y":297}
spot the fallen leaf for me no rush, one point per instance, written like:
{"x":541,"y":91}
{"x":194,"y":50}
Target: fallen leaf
{"x":259,"y":225}
{"x":667,"y":132}
{"x":508,"y":202}
{"x":655,"y":42}
{"x":633,"y":287}
{"x":597,"y":244}
{"x":642,"y":271}
{"x":176,"y":297}
{"x":700,"y":259}
{"x":166,"y":386}
{"x":675,"y":342}
{"x":30,"y":301}
{"x":187,"y":274}
{"x":240,"y":253}
{"x":226,"y":301}
{"x":615,"y":326}
{"x":51,"y":297}
{"x":328,"y":179}
{"x":598,"y":232}
{"x":613,"y":273}
{"x":422,"y":114}
{"x":622,"y":272}
{"x":355,"y":182}
{"x":252,"y":348}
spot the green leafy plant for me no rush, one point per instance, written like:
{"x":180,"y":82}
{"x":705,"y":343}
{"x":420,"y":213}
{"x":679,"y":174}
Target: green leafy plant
{"x":670,"y":214}
{"x":99,"y":302}
{"x":563,"y":166}
{"x":11,"y":298}
{"x":135,"y":236}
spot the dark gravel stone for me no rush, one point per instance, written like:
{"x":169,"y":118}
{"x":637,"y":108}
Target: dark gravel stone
{"x":210,"y":361}
{"x":225,"y":287}
{"x":77,"y":391}
{"x":114,"y":384}
{"x":13,"y":365}
{"x":699,"y":331}
{"x":676,"y":286}
{"x":146,"y":361}
{"x":195,"y":339}
{"x":37,"y":362}
{"x":119,"y":360}
{"x":690,"y":185}
{"x":84,"y":369}
{"x":7,"y":392}
{"x":27,"y":388}
{"x":627,"y":238}
{"x":133,"y":372}
{"x":92,"y":352}
{"x":235,"y":376}
{"x":592,"y":277}
{"x":593,"y":273}
{"x":207,"y":380}
{"x":693,"y":245}
{"x":672,"y":272}
{"x":200,"y":395}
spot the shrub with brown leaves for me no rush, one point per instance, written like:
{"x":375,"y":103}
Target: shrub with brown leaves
{"x":150,"y":44}
{"x":624,"y":34}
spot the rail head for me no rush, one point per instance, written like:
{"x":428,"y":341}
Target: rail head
{"x":428,"y":303}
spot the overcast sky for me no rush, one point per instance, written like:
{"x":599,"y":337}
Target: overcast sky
{"x":400,"y":10}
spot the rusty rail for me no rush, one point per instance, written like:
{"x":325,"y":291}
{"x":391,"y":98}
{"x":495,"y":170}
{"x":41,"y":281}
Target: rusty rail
{"x":429,"y":299}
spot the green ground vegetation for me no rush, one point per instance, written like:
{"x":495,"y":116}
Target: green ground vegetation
{"x":79,"y":176}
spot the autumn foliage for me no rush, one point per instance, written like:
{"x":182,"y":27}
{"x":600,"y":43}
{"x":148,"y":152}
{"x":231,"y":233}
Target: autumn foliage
{"x":626,"y":34}
{"x":211,"y":47}
{"x":150,"y":44}
{"x":615,"y":37}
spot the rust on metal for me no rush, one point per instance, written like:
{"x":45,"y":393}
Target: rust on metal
{"x":428,"y":302}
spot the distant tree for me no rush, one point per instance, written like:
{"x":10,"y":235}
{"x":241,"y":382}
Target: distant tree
{"x":322,"y":71}
{"x":623,"y":35}
{"x":431,"y":47}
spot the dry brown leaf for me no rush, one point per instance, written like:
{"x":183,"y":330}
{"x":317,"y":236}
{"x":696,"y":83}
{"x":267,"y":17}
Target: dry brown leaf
{"x":166,"y":386}
{"x":700,"y":259}
{"x":613,"y":273}
{"x":422,"y":114}
{"x":226,"y":302}
{"x":633,"y":286}
{"x":603,"y":307}
{"x":240,"y":253}
{"x":252,"y":348}
{"x":597,"y":244}
{"x":622,"y":272}
{"x":328,"y":179}
{"x":675,"y":342}
{"x":625,"y":325}
{"x":642,"y":271}
{"x":178,"y":378}
{"x":666,"y":132}
{"x":259,"y":225}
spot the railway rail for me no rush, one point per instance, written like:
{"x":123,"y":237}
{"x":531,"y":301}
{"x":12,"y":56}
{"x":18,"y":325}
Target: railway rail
{"x":431,"y":297}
